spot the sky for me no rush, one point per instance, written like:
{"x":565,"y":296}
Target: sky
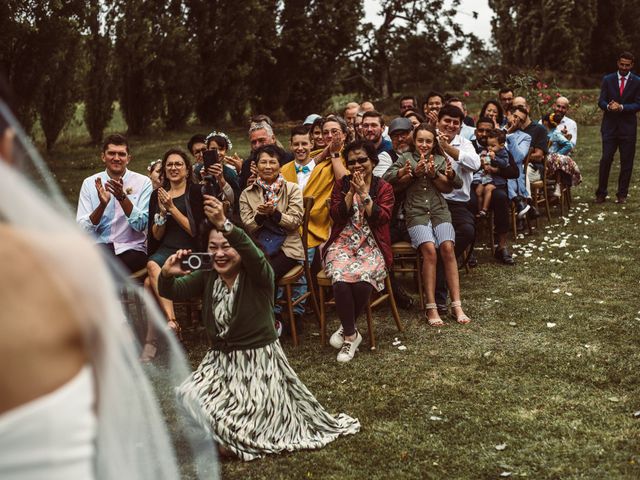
{"x":480,"y":26}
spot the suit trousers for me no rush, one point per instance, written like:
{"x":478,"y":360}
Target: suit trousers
{"x":464,"y":224}
{"x":627,"y":147}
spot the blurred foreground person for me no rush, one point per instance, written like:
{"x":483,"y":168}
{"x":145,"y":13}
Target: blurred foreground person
{"x":75,"y":403}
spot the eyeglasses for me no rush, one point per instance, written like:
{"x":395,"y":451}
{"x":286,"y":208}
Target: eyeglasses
{"x":200,"y":151}
{"x":360,"y":160}
{"x":177,"y":165}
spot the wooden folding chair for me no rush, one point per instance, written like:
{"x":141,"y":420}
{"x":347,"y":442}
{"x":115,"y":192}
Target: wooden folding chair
{"x":293,"y":276}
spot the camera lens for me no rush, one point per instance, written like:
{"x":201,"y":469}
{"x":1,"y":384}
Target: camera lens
{"x":194,"y":262}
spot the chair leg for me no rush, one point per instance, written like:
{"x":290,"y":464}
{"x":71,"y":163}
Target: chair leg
{"x":323,"y":327}
{"x":545,"y":194}
{"x":392,"y":302}
{"x":314,"y":299}
{"x":514,"y":222}
{"x":372,"y":335}
{"x":292,"y":318}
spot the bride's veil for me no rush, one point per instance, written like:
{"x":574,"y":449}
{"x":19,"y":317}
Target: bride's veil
{"x":142,"y":433}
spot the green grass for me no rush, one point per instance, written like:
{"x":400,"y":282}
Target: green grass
{"x":561,"y":398}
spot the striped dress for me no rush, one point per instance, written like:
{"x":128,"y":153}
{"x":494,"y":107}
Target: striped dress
{"x":252,"y":402}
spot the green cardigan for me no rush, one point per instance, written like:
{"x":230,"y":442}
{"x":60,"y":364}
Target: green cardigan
{"x":252,"y":318}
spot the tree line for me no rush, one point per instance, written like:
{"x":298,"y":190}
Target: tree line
{"x":166,"y":61}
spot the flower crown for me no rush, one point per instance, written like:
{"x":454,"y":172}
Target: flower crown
{"x":153,"y":163}
{"x":220,"y":134}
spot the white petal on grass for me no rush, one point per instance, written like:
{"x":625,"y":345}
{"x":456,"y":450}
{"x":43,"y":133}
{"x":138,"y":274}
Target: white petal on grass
{"x":550,"y":325}
{"x":557,"y":290}
{"x":568,"y":294}
{"x":500,"y":447}
{"x":513,"y":324}
{"x":396,"y":343}
{"x":435,"y":418}
{"x":505,"y":474}
{"x":613,"y":399}
{"x":402,"y":347}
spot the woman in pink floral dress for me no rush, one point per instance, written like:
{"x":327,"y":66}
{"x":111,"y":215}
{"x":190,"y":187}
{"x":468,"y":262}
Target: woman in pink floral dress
{"x":358,"y":251}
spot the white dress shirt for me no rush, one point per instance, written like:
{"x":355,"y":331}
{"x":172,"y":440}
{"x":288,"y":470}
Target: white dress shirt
{"x":303,"y":177}
{"x":467,"y":163}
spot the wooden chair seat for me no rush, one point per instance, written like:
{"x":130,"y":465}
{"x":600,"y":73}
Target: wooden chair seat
{"x":402,"y":248}
{"x":292,"y":276}
{"x":408,"y":260}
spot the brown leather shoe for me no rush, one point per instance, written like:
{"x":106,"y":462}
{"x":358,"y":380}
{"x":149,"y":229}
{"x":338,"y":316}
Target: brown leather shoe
{"x":621,"y":200}
{"x":601,"y":198}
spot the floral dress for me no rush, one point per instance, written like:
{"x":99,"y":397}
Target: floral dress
{"x":559,"y":161}
{"x":355,"y":256}
{"x":251,"y":401}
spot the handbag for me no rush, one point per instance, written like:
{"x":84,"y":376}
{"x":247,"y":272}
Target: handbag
{"x":271,"y":236}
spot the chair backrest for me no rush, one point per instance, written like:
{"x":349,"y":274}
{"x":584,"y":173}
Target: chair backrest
{"x":527,"y":160}
{"x":308,"y":205}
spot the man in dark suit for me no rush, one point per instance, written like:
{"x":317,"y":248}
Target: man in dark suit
{"x":620,"y":100}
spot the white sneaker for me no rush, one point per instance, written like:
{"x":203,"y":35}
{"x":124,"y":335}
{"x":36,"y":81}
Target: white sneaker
{"x":337,"y":339}
{"x":348,"y":349}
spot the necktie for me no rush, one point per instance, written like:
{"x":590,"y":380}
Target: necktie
{"x":622,"y":79}
{"x":304,"y":169}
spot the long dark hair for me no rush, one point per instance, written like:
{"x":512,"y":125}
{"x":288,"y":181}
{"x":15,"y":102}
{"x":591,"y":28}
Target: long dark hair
{"x":495,"y":103}
{"x":437,"y":149}
{"x":187,"y":162}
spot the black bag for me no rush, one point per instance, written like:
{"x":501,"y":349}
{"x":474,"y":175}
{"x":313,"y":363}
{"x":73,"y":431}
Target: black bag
{"x":271,"y":236}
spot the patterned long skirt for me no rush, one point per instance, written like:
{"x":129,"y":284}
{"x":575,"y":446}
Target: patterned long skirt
{"x":253,"y":403}
{"x":566,"y":165}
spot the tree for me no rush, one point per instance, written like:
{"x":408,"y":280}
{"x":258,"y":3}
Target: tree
{"x":100,"y":89}
{"x":136,"y":66}
{"x":415,"y":40}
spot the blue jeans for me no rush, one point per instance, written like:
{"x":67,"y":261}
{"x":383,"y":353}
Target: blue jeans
{"x":299,"y":289}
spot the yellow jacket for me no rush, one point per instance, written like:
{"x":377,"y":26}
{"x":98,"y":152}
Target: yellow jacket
{"x":319,"y":187}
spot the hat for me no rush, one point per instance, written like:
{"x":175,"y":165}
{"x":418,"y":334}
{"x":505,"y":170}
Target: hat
{"x":311,"y":118}
{"x":400,"y":124}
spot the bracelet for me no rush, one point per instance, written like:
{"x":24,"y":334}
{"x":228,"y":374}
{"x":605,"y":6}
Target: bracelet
{"x":159,"y":220}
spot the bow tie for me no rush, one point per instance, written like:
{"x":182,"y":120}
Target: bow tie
{"x":304,"y":169}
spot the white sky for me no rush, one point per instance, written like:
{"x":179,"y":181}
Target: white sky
{"x":480,"y":26}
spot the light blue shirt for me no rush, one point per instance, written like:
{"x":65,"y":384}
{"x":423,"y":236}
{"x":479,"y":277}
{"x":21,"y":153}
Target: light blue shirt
{"x":125,"y":233}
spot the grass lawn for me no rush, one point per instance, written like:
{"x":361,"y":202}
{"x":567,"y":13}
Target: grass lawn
{"x":543,"y":384}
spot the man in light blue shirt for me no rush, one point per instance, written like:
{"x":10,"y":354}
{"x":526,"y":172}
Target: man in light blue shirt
{"x":114,"y":205}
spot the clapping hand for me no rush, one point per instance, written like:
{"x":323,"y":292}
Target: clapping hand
{"x":359,"y":184}
{"x":103,"y":195}
{"x":448,"y":171}
{"x":165,"y":200}
{"x":115,"y":187}
{"x":432,"y":117}
{"x":266,"y":209}
{"x":421,"y":166}
{"x":404,"y":171}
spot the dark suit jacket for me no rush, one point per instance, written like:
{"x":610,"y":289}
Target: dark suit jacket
{"x":620,"y":124}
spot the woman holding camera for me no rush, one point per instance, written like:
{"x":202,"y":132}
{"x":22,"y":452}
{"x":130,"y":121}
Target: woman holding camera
{"x":359,"y":248}
{"x":175,"y":216}
{"x":271,"y":210}
{"x":252,"y":399}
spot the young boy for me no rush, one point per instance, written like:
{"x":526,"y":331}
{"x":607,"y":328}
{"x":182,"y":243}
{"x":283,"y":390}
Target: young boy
{"x":495,"y":156}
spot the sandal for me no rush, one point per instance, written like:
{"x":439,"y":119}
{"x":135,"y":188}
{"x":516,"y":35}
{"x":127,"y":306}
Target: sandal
{"x":461,"y":319}
{"x":174,"y":326}
{"x":482,"y":213}
{"x":149,"y":351}
{"x":433,"y":322}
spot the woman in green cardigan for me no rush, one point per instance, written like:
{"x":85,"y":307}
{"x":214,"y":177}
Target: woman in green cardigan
{"x":253,"y":401}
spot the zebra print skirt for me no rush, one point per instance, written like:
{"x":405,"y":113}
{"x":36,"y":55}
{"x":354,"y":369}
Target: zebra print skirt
{"x":253,"y":403}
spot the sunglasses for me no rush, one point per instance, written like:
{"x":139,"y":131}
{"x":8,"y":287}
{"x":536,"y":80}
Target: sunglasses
{"x":361,"y":161}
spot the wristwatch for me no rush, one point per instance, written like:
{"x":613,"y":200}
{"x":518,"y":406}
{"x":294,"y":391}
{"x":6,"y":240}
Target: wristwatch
{"x":366,"y":200}
{"x":227,"y":226}
{"x":335,"y":154}
{"x":159,"y":219}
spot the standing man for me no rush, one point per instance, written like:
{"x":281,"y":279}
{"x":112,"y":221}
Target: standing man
{"x":567,"y":126}
{"x":620,"y":100}
{"x":372,"y":130}
{"x":114,"y":205}
{"x":505,"y":96}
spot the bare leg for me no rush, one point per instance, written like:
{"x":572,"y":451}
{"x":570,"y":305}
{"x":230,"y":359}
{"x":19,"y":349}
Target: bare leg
{"x":166,"y":305}
{"x":429,"y":260}
{"x":448,"y":255}
{"x":151,"y":338}
{"x":480,"y":195}
{"x":486,"y":198}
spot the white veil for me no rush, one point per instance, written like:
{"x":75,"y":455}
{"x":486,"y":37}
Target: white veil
{"x":135,"y":441}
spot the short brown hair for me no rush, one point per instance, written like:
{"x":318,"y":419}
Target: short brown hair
{"x":115,"y":139}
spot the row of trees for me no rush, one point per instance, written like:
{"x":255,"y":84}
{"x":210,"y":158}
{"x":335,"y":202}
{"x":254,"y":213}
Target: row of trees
{"x":576,"y":37}
{"x":166,"y":60}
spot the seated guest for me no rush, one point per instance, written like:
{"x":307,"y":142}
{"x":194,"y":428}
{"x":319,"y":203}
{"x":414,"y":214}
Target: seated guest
{"x":493,"y":110}
{"x":560,"y":165}
{"x":113,"y":205}
{"x":492,"y":159}
{"x":500,"y":201}
{"x":225,"y":176}
{"x":358,"y":251}
{"x":425,"y":174}
{"x":431,"y":107}
{"x":177,"y":213}
{"x":155,"y":173}
{"x":196,"y":146}
{"x":415,"y":117}
{"x":221,"y":142}
{"x":317,"y":138}
{"x":244,"y":391}
{"x":466,"y":129}
{"x":336,"y":135}
{"x":271,"y":210}
{"x":518,"y":144}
